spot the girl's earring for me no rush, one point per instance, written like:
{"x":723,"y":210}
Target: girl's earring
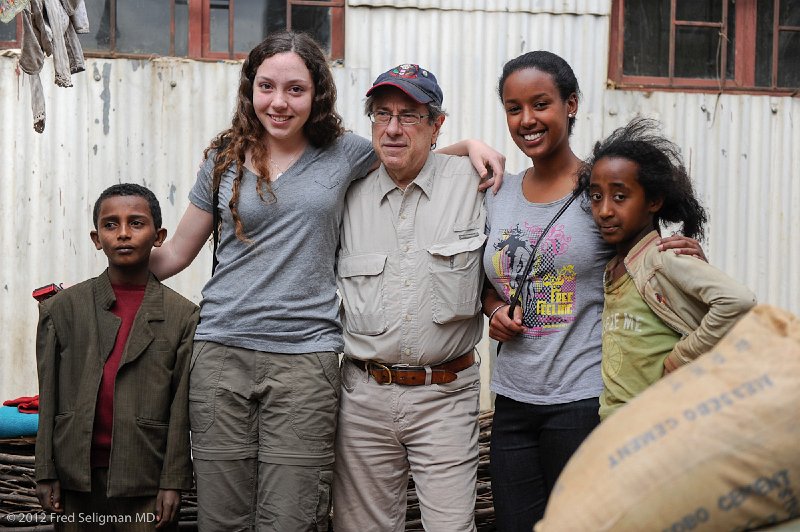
{"x":571,"y":115}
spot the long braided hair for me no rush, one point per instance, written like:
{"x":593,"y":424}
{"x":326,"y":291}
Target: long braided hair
{"x":230,"y":147}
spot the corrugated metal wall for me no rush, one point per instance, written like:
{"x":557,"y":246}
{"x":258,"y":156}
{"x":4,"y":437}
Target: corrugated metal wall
{"x":124,"y":120}
{"x":148,"y":121}
{"x":571,"y":7}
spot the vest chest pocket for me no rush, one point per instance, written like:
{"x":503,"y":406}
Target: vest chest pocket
{"x":360,"y":279}
{"x":455,"y":270}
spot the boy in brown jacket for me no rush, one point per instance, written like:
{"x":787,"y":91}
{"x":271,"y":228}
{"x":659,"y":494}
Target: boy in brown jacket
{"x":113,"y":358}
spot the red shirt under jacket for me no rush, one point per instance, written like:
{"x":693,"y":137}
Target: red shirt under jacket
{"x":129,"y":299}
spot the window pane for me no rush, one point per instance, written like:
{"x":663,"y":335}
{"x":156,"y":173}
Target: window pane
{"x":789,"y":59}
{"x":143,"y":27}
{"x":696,"y":52}
{"x":699,"y":10}
{"x":181,"y":28}
{"x":764,"y":15}
{"x":8,"y":32}
{"x":99,"y":36}
{"x":315,"y":21}
{"x":646,"y":50}
{"x":790,"y":13}
{"x":254,"y":19}
{"x":219,"y":25}
{"x":731,"y":66}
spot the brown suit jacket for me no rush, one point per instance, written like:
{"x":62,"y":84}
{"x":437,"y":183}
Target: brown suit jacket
{"x":150,"y":435}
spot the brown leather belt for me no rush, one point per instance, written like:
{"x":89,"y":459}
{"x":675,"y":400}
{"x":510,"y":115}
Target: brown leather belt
{"x":416,"y":375}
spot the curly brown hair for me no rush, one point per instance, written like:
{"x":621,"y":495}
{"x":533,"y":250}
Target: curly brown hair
{"x":324,"y":124}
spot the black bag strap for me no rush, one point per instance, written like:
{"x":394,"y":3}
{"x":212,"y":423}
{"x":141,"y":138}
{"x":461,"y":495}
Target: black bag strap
{"x":523,"y":278}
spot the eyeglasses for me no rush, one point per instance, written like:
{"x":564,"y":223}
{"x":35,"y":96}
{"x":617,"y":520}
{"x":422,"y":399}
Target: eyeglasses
{"x":406,"y":119}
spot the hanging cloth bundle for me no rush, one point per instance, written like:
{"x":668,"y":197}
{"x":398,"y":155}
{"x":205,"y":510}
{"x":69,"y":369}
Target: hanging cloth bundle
{"x":10,"y":8}
{"x":50,"y":27}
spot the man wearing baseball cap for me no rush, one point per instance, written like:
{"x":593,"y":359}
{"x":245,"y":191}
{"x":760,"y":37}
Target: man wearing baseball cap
{"x":409,"y":271}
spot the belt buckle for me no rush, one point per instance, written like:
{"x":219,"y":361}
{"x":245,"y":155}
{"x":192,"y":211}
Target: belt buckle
{"x":408,"y":367}
{"x":383,"y":368}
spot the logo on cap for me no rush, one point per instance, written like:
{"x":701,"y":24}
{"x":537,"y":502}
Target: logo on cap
{"x":407,"y":71}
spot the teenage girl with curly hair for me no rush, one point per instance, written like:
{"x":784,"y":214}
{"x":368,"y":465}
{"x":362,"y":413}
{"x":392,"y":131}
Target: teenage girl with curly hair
{"x":264,"y":380}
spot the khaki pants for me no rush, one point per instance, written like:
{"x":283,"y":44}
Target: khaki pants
{"x":385,"y":431}
{"x":93,"y":511}
{"x":263,"y":426}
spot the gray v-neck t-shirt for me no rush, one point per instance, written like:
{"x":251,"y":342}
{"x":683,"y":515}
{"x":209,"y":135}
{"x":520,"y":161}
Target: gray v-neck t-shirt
{"x":277,"y":292}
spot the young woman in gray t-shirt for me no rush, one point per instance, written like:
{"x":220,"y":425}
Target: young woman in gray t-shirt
{"x":547,"y":376}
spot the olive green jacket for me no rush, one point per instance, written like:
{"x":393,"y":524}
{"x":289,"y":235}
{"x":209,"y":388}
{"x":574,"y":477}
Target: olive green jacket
{"x":150,"y":435}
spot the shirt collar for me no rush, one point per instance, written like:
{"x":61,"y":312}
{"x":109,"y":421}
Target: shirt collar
{"x":424,"y":179}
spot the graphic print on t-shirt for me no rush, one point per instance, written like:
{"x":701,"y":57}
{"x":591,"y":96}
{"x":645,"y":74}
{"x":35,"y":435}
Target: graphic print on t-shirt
{"x":631,"y":326}
{"x":548,"y":297}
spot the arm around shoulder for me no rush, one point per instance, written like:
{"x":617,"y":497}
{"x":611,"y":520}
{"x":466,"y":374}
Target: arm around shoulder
{"x":488,"y":162}
{"x":178,"y":252}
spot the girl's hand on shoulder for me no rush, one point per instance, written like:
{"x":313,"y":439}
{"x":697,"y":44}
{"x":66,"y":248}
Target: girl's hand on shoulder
{"x":495,"y":181}
{"x":503,"y":328}
{"x":682,"y":245}
{"x":488,"y":162}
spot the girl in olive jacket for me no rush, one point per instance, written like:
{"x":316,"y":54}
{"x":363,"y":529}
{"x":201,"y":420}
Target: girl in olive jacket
{"x":661,"y":310}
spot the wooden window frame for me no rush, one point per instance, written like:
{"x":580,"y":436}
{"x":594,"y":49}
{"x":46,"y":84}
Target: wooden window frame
{"x":200,"y":38}
{"x":745,"y":14}
{"x":112,"y":37}
{"x":199,"y":31}
{"x":15,"y":43}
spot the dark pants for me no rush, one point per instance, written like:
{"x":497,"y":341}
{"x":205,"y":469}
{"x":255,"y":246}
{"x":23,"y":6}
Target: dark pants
{"x":94,"y":512}
{"x":530,"y":446}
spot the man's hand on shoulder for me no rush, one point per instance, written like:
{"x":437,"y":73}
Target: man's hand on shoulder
{"x":489,"y":163}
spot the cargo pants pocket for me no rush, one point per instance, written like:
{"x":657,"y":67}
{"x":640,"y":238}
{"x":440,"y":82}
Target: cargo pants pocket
{"x":208,"y":360}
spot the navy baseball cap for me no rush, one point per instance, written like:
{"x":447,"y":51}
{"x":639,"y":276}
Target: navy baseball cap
{"x":419,"y":84}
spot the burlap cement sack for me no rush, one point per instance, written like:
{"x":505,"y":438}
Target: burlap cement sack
{"x":713,"y":446}
{"x":786,"y":526}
